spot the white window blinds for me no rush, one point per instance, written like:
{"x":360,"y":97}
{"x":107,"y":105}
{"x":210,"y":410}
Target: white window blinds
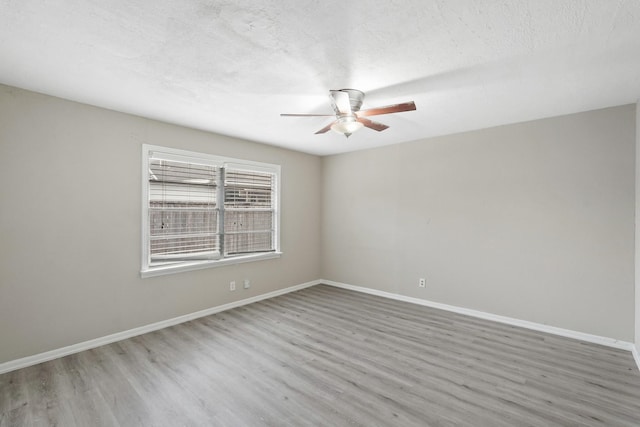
{"x":249,"y":211}
{"x":183,"y":211}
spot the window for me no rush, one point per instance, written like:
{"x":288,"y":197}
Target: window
{"x":201,"y":210}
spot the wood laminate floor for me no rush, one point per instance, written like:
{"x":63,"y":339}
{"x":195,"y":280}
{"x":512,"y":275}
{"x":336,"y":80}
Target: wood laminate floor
{"x":325,"y":356}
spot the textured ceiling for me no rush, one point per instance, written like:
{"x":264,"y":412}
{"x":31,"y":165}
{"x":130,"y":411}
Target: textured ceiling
{"x":232,"y":67}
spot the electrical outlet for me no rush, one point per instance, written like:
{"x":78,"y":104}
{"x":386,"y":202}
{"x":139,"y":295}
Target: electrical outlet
{"x":247,"y":284}
{"x":232,"y":285}
{"x":422,"y":282}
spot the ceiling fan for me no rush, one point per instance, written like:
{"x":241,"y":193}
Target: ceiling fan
{"x":349,"y":118}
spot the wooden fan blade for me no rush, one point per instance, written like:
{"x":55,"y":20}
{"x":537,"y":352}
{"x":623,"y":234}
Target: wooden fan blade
{"x":326,"y":128}
{"x":396,"y":108}
{"x":371,"y":124}
{"x":340,"y":102}
{"x":307,"y":115}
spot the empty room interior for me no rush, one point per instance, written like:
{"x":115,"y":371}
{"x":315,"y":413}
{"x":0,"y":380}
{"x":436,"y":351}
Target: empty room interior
{"x":408,"y":213}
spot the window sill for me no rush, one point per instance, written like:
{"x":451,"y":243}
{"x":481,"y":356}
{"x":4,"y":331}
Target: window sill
{"x":198,"y":265}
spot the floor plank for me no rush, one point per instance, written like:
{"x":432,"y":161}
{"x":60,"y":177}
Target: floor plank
{"x":328,"y":356}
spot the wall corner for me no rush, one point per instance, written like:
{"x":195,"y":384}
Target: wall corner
{"x":637,"y":234}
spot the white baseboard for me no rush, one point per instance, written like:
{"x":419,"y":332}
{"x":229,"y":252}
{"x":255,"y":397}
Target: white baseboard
{"x":596,"y":339}
{"x":24,"y":362}
{"x":636,"y":355}
{"x":108,"y":339}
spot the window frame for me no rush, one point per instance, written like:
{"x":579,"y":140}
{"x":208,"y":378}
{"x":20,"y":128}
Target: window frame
{"x":176,"y":154}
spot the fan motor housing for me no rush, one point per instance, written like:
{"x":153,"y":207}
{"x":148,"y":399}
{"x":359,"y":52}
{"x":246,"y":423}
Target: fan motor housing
{"x":355,"y":98}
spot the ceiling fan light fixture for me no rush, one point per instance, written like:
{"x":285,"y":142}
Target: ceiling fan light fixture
{"x":346,"y":125}
{"x":349,"y":118}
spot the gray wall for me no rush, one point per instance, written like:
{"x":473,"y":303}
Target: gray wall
{"x":70,"y":225}
{"x":533,"y":221}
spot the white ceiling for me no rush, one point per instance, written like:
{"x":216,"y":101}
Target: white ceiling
{"x":232,"y":66}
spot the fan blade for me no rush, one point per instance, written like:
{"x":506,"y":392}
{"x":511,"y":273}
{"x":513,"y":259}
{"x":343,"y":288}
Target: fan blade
{"x":326,"y":128}
{"x":396,"y":108}
{"x":371,"y":124}
{"x":307,"y":115}
{"x":340,"y":102}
